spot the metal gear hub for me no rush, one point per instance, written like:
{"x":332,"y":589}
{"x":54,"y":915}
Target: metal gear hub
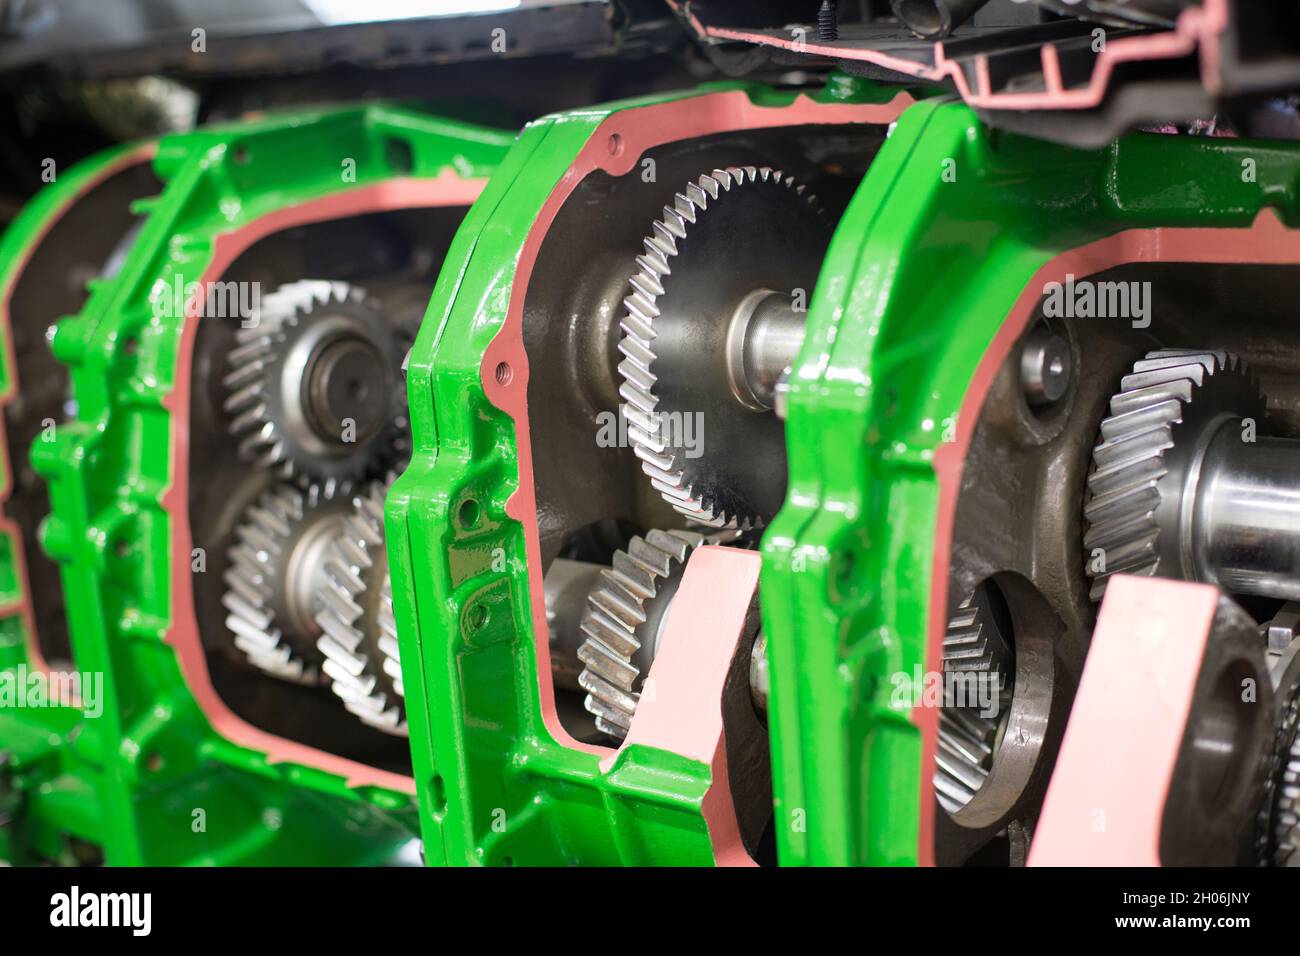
{"x":313,"y":384}
{"x":276,"y":574}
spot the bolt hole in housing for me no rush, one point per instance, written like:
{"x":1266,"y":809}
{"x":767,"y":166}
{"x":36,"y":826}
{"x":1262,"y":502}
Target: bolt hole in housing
{"x":438,"y":793}
{"x":468,"y":514}
{"x":401,"y":157}
{"x":477,"y":617}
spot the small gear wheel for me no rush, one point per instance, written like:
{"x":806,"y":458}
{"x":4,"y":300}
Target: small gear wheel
{"x":274,"y":575}
{"x":1165,"y":409}
{"x":358,"y":631}
{"x":624,"y":618}
{"x":313,"y":386}
{"x":973,"y":645}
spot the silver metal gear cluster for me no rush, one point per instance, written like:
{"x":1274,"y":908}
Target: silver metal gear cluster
{"x":272,"y":577}
{"x":358,"y":638}
{"x":313,"y":386}
{"x":622,"y":624}
{"x":972,"y":645}
{"x":732,"y":235}
{"x":1171,"y":400}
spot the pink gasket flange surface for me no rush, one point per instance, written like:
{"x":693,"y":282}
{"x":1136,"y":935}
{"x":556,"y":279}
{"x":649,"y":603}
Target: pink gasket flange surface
{"x":614,"y":147}
{"x":447,"y":189}
{"x":1198,"y":30}
{"x":1266,"y":242}
{"x":1106,"y":802}
{"x":23,"y":605}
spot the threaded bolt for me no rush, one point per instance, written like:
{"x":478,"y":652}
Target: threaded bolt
{"x":827,"y":27}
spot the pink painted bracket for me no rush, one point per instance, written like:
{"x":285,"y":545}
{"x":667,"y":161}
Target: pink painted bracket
{"x":1106,"y":802}
{"x":681,"y":707}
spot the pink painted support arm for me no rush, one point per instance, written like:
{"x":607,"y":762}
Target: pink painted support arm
{"x":682,"y":711}
{"x":1106,"y":802}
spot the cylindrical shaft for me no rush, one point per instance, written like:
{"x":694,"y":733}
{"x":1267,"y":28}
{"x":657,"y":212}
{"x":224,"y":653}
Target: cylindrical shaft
{"x":1246,"y":528}
{"x":763,"y":340}
{"x":935,"y":19}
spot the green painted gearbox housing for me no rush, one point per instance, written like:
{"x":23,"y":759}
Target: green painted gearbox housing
{"x":946,"y":232}
{"x":495,"y":787}
{"x":939,"y":242}
{"x":947,"y":229}
{"x":39,"y":770}
{"x":132,"y":780}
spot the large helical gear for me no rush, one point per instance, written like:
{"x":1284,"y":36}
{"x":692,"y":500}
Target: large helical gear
{"x":730,"y":235}
{"x":313,"y":384}
{"x":622,"y":624}
{"x":358,"y":634}
{"x":271,"y":581}
{"x":1165,"y":409}
{"x":973,"y":645}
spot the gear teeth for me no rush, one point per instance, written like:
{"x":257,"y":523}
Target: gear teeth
{"x":251,"y":380}
{"x":251,"y":359}
{"x":667,"y":471}
{"x":1131,"y":457}
{"x":359,"y":645}
{"x":1286,"y":817}
{"x":1277,"y":839}
{"x":967,"y":737}
{"x":388,"y":636}
{"x":256,"y":561}
{"x":615,"y":627}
